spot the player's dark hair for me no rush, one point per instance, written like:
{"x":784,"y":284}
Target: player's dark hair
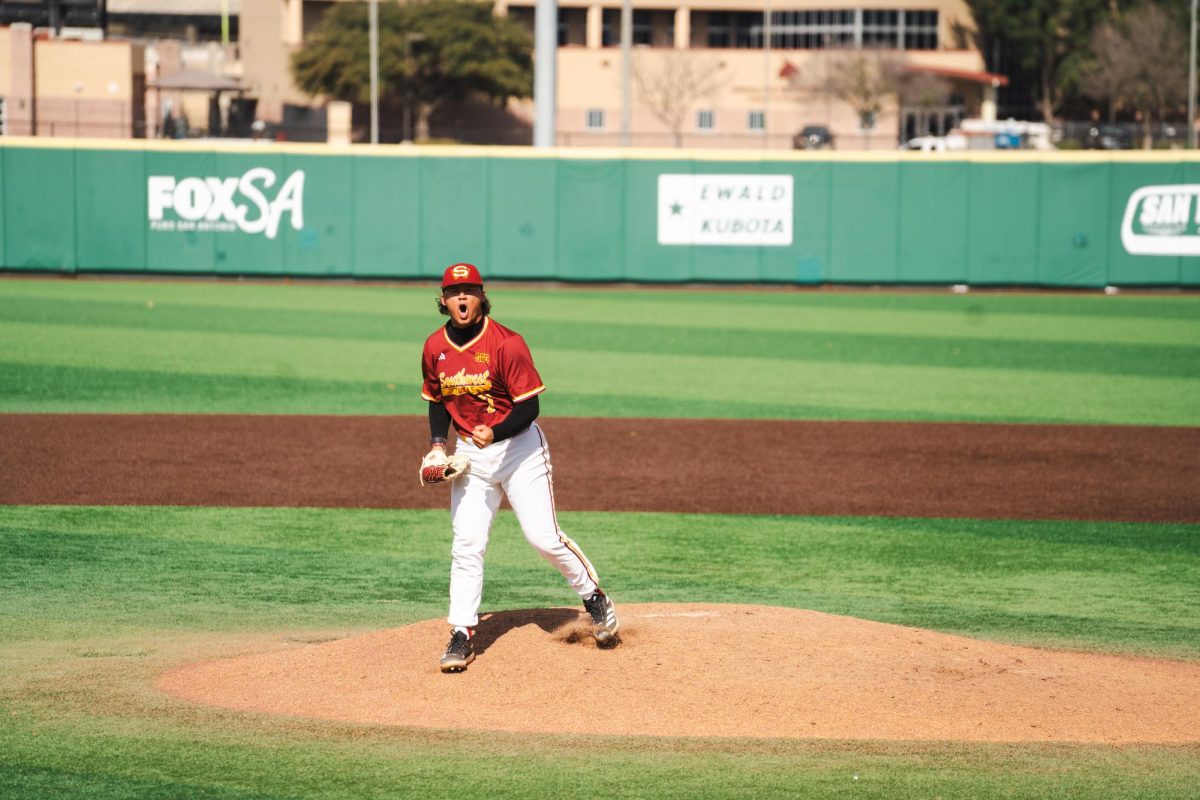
{"x":441,"y":304}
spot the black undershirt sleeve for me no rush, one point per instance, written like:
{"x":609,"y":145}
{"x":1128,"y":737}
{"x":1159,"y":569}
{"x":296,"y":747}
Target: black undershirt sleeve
{"x":521,"y":417}
{"x":439,"y":421}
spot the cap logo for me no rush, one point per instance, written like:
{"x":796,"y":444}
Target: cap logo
{"x":461,"y":272}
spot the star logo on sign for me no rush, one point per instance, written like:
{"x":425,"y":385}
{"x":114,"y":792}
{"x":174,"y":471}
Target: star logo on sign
{"x":676,"y":209}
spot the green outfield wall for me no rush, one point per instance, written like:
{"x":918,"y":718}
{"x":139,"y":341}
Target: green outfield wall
{"x":1061,"y":219}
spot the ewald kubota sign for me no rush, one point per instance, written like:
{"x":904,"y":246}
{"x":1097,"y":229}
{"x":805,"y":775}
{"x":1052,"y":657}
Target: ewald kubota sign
{"x":225,"y":205}
{"x":746,"y":210}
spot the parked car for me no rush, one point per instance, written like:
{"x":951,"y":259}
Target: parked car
{"x":813,"y":137}
{"x":936,"y":144}
{"x":1109,"y":137}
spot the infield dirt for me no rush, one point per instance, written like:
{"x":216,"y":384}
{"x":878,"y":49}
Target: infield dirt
{"x":715,"y":466}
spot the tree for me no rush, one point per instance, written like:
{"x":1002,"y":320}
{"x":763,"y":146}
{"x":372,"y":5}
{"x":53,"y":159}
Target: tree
{"x":1048,"y":37}
{"x":428,"y":52}
{"x":1141,"y":58}
{"x":1103,"y":77}
{"x":864,"y":80}
{"x":669,"y":82}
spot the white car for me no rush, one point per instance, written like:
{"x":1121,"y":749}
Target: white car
{"x":936,"y":144}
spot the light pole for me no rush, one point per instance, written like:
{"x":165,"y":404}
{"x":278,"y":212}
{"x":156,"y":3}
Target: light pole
{"x":409,"y":38}
{"x":626,"y":69}
{"x":1192,"y":84}
{"x":766,"y":71}
{"x":545,"y":82}
{"x":373,"y":36}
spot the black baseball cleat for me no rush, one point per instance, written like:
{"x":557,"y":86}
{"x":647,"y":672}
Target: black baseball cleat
{"x":459,"y":653}
{"x":604,"y":618}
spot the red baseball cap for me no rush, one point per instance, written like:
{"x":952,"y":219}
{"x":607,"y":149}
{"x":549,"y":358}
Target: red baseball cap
{"x":461,"y":273}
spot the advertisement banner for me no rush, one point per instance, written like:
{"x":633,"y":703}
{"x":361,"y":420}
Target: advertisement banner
{"x":1162,"y":221}
{"x":743,"y":210}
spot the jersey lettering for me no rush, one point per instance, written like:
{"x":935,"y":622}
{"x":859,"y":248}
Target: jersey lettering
{"x":480,"y":381}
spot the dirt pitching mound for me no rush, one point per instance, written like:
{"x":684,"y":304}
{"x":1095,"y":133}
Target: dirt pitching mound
{"x":713,"y":670}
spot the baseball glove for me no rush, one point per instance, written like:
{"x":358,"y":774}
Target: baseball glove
{"x":437,"y":467}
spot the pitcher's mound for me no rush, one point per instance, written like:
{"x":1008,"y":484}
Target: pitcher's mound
{"x":713,"y":670}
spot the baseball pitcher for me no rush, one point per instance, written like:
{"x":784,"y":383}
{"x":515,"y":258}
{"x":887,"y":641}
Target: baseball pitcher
{"x":479,"y":377}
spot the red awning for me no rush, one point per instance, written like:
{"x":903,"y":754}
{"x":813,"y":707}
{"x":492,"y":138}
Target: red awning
{"x":961,"y":74}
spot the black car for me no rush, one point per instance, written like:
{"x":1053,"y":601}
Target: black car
{"x":1109,"y":137}
{"x":813,"y":137}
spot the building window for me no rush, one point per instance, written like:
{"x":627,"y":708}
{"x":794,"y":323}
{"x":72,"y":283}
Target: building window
{"x":756,"y":120}
{"x":920,"y":30}
{"x":718,"y":29}
{"x":705,"y":120}
{"x":643,"y":27}
{"x":610,"y":27}
{"x":827,"y":29}
{"x":595,"y":119}
{"x":881,"y":29}
{"x":812,"y":30}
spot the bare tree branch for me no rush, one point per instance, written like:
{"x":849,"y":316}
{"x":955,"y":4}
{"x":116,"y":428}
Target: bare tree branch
{"x":1139,"y":59}
{"x":669,"y":83}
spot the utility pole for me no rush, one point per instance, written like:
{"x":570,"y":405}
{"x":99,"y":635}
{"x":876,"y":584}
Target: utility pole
{"x":1192,"y":85}
{"x":545,"y":65}
{"x":626,"y":70}
{"x":374,"y":46}
{"x":766,"y":72}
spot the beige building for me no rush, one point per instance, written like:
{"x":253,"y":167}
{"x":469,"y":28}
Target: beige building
{"x":702,"y":77}
{"x":68,"y":87}
{"x":749,"y":95}
{"x":270,"y":31}
{"x":701,"y":74}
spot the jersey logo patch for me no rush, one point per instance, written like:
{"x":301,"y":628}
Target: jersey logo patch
{"x":483,"y":358}
{"x":441,"y":356}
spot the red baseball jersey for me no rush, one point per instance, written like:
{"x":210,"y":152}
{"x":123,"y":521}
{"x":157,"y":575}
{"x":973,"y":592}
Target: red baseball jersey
{"x":480,"y":381}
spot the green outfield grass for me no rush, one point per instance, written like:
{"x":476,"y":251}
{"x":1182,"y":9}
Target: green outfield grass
{"x":175,"y":346}
{"x":95,"y":601}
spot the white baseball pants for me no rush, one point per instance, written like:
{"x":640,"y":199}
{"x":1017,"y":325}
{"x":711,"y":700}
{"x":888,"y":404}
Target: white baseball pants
{"x":520,"y":467}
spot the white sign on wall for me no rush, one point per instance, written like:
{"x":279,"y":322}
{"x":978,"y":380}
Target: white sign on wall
{"x":225,"y":205}
{"x":748,"y":210}
{"x":1163,"y":221}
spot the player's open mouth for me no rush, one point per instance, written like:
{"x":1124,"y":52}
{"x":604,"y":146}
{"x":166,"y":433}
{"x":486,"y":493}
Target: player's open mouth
{"x":462,"y":309}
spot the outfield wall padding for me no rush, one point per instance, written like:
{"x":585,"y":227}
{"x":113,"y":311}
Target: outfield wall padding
{"x":1021,"y":219}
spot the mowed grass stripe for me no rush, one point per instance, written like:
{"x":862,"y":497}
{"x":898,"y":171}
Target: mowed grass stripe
{"x":58,"y":389}
{"x":386,"y":299}
{"x":55,"y":389}
{"x":1174,"y":360}
{"x":897,"y":392}
{"x":740,"y":312}
{"x":1117,"y":587}
{"x":201,"y":756}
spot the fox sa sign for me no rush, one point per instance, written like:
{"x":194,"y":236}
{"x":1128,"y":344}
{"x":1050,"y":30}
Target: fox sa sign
{"x":1163,"y":221}
{"x":226,"y":205}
